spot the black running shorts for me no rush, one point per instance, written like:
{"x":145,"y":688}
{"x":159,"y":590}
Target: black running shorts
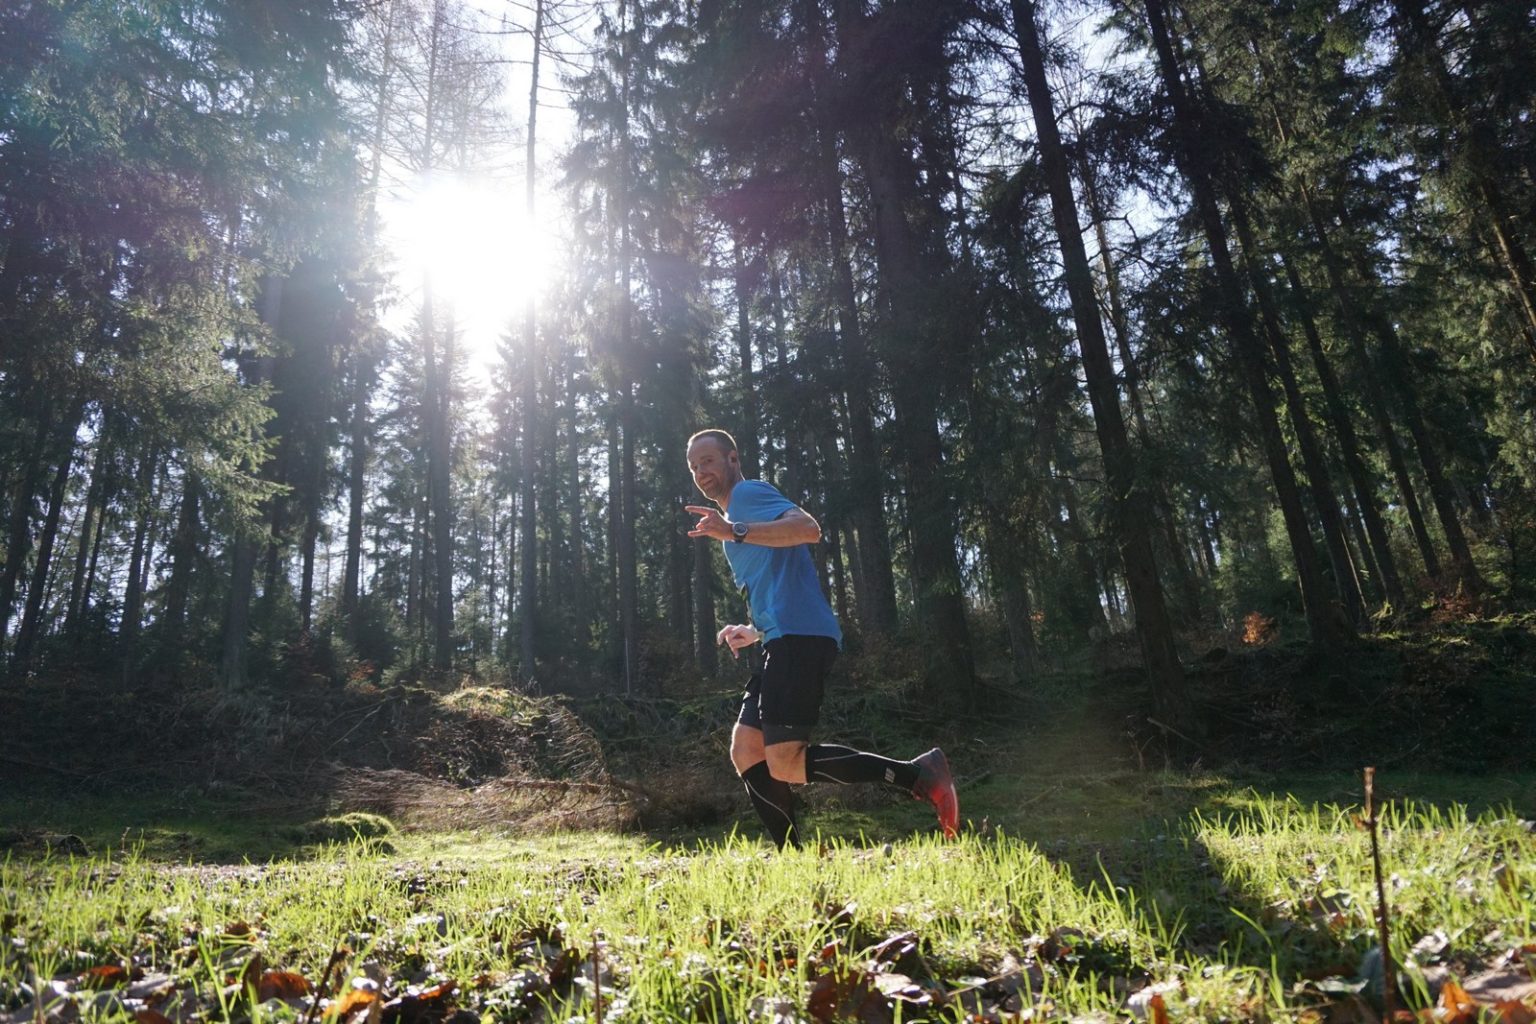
{"x":784,"y":700}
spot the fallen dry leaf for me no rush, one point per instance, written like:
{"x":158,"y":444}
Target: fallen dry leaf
{"x":356,"y":998}
{"x":250,"y":974}
{"x":281,"y":985}
{"x":840,"y":997}
{"x":105,"y":976}
{"x":428,"y":1005}
{"x":1455,"y":1006}
{"x":1512,"y":1012}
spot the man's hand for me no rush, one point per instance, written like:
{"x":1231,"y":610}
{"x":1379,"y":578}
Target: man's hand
{"x":711,"y":523}
{"x":738,"y":637}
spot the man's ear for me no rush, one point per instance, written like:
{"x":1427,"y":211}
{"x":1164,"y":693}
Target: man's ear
{"x":734,"y":458}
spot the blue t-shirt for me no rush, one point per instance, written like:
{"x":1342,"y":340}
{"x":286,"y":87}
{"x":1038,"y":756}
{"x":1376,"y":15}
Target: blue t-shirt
{"x":782,"y":589}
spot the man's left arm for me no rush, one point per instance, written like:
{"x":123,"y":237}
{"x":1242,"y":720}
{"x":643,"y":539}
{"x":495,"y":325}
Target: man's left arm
{"x":794,"y":526}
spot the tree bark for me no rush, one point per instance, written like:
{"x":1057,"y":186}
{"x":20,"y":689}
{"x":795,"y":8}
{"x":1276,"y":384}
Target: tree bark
{"x":905,"y":276}
{"x":19,"y":541}
{"x":705,"y":653}
{"x":357,"y":478}
{"x":183,"y":555}
{"x":1375,"y":402}
{"x":138,"y":569}
{"x":95,"y":498}
{"x":31,"y":619}
{"x":877,"y":594}
{"x":1183,"y":573}
{"x":629,"y":592}
{"x":243,"y":546}
{"x":1380,"y":549}
{"x":1154,"y":628}
{"x":1326,"y":624}
{"x":528,"y":597}
{"x":1319,"y":482}
{"x":1395,"y":362}
{"x":439,"y":502}
{"x":747,"y":442}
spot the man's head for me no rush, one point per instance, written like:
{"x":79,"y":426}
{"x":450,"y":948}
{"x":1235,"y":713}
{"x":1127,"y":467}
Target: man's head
{"x":715,"y":464}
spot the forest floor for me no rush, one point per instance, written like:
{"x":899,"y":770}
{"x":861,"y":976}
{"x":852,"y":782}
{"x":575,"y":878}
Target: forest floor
{"x":606,"y":878}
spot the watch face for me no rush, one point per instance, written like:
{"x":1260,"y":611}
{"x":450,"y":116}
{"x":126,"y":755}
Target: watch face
{"x":739,"y":530}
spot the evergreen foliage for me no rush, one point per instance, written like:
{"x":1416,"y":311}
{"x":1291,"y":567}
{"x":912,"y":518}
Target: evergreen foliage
{"x":1065,"y":321}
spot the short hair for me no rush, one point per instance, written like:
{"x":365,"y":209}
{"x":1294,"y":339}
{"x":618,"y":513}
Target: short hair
{"x":717,"y":435}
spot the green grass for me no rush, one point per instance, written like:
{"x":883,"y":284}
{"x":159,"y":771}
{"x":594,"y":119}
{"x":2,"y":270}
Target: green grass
{"x":185,"y":825}
{"x":1096,"y":884}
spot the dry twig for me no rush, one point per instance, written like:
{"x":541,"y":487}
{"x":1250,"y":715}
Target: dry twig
{"x":1388,"y":972}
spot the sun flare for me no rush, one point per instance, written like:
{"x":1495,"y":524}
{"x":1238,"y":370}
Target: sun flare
{"x":470,"y":241}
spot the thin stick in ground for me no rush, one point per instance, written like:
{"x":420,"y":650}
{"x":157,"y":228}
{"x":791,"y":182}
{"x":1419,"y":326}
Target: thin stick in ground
{"x":1388,"y":971}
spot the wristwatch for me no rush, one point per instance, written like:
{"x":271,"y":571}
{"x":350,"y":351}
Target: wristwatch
{"x":739,"y":531}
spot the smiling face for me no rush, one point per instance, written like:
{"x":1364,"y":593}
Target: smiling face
{"x":716,"y":468}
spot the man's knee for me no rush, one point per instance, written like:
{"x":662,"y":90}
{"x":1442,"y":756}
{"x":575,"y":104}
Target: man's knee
{"x":746,"y":747}
{"x":786,"y":761}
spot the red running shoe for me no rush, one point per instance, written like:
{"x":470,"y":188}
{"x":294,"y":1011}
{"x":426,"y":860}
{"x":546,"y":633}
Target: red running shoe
{"x":936,"y":785}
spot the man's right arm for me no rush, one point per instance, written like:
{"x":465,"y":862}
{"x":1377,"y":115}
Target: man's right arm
{"x":737,"y":637}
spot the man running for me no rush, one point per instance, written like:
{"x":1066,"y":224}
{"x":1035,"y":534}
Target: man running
{"x":766,"y":538}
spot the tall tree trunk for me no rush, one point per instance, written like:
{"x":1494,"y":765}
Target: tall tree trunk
{"x":1366,"y":557}
{"x":1007,"y":573}
{"x":1327,"y":625}
{"x":357,"y":478}
{"x":237,"y":615}
{"x":1380,"y":549}
{"x":795,"y":481}
{"x":31,"y":618}
{"x":1154,"y":629}
{"x":839,"y":574}
{"x":95,"y":559}
{"x":528,"y":545}
{"x":1375,"y":402}
{"x":363,"y":360}
{"x":532,"y":369}
{"x":19,"y":541}
{"x":751,"y":467}
{"x":1398,"y":374}
{"x":183,"y":554}
{"x":705,"y":654}
{"x":615,"y":506}
{"x":95,"y":498}
{"x":1088,"y":608}
{"x":939,"y":598}
{"x":577,"y":571}
{"x":1183,"y":573}
{"x":414,"y":561}
{"x":1325,"y":503}
{"x":877,"y":595}
{"x":138,"y":568}
{"x":243,"y":545}
{"x":680,"y":556}
{"x":439,"y":482}
{"x":307,"y":546}
{"x":629,"y":587}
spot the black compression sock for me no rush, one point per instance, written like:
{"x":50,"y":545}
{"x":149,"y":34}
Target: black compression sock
{"x":832,"y":762}
{"x":774,"y":802}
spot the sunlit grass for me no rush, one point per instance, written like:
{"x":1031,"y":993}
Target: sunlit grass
{"x":1234,"y":903}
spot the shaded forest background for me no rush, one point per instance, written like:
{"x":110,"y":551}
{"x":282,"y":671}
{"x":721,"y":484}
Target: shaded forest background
{"x":1069,"y":322}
